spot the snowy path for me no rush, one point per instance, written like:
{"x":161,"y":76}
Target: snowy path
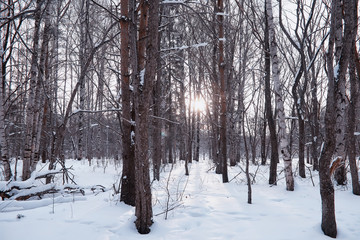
{"x":213,"y":210}
{"x":205,"y":208}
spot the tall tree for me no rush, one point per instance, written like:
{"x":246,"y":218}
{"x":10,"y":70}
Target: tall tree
{"x":128,"y":154}
{"x":84,"y":16}
{"x":223,"y":101}
{"x":274,"y":157}
{"x":336,"y":78}
{"x":3,"y":143}
{"x":147,"y":68}
{"x":298,"y":89}
{"x":279,"y":100}
{"x":354,"y":72}
{"x":30,"y":114}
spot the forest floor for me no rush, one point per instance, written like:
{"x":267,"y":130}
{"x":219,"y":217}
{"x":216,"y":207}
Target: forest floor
{"x":199,"y":206}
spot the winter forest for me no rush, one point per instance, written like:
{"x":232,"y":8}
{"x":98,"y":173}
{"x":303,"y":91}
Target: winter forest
{"x":177,"y":119}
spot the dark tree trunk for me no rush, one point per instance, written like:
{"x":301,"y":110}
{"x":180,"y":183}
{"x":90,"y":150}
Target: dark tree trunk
{"x":328,"y":222}
{"x":351,"y":120}
{"x":223,"y":101}
{"x":143,"y":89}
{"x":157,"y":125}
{"x":263,"y":140}
{"x":315,"y":121}
{"x":128,"y":155}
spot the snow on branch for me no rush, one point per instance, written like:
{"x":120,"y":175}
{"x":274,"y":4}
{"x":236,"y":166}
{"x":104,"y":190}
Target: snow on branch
{"x":76,"y":111}
{"x":172,"y":2}
{"x":185,"y":47}
{"x":24,"y":190}
{"x":222,"y":14}
{"x":178,"y":2}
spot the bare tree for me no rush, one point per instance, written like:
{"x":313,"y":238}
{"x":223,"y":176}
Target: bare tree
{"x":279,"y":101}
{"x":336,"y":77}
{"x":128,"y":148}
{"x":3,"y":143}
{"x":147,"y":68}
{"x":30,"y":114}
{"x":354,"y":72}
{"x":298,"y":89}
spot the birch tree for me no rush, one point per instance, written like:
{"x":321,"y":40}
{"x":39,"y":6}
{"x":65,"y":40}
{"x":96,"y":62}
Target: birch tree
{"x":274,"y":158}
{"x":30,"y":114}
{"x":279,"y":101}
{"x":299,"y":89}
{"x":340,"y":97}
{"x":336,"y":78}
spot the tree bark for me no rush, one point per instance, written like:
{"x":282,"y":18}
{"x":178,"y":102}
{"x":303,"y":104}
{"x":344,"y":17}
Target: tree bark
{"x":157,"y":123}
{"x":83,"y":55}
{"x":128,"y":173}
{"x":43,"y":80}
{"x":149,"y":19}
{"x":3,"y":143}
{"x":274,"y":158}
{"x":28,"y":151}
{"x":351,"y":120}
{"x":328,"y":221}
{"x":279,"y":101}
{"x":223,"y":100}
{"x":340,"y":173}
{"x":332,"y":114}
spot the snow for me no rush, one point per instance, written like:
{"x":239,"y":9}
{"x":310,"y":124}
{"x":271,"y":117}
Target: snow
{"x":183,"y":47}
{"x":222,"y":14}
{"x":200,"y":207}
{"x":172,"y":2}
{"x":336,"y":72}
{"x":142,"y":77}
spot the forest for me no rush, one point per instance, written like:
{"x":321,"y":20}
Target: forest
{"x":259,"y":90}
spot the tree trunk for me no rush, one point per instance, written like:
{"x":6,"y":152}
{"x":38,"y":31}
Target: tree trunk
{"x":3,"y":143}
{"x":279,"y":101}
{"x":27,"y":161}
{"x":328,"y":222}
{"x":83,"y":54}
{"x":315,"y":128}
{"x":223,"y":101}
{"x":274,"y":158}
{"x":157,"y":123}
{"x":351,"y":120}
{"x":128,"y":173}
{"x":263,"y":140}
{"x":143,"y":90}
{"x":340,"y":173}
{"x":43,"y":80}
{"x":336,"y":79}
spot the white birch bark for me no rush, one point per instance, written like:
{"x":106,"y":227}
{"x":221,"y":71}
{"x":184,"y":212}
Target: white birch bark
{"x":27,"y":161}
{"x":340,"y":152}
{"x":279,"y":101}
{"x":43,"y":76}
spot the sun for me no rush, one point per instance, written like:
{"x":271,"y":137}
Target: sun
{"x":198,"y":105}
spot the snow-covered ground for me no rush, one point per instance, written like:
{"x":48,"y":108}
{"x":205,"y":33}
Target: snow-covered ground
{"x":199,"y":207}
